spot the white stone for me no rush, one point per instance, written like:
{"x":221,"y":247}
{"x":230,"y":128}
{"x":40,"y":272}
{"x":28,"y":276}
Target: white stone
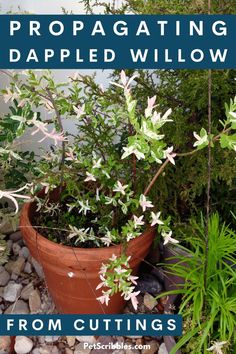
{"x":49,"y":350}
{"x":153,"y":348}
{"x":34,"y":301}
{"x":162,"y":349}
{"x":16,"y":236}
{"x":14,"y":276}
{"x":16,"y":249}
{"x":132,"y":351}
{"x":1,"y":291}
{"x":55,"y":350}
{"x":68,"y":351}
{"x":18,"y":265}
{"x":149,"y":301}
{"x":12,"y":291}
{"x":7,"y":228}
{"x":26,"y":291}
{"x":70,"y":340}
{"x":19,"y":307}
{"x":86,"y":339}
{"x":80,"y":349}
{"x":4,"y":276}
{"x":24,"y":252}
{"x":38,"y":268}
{"x":51,"y":339}
{"x":23,"y":345}
{"x":45,"y":350}
{"x":28,"y":268}
{"x":36,"y":351}
{"x":41,"y":339}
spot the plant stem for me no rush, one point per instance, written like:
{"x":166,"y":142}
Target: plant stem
{"x":208,"y":180}
{"x":160,"y":170}
{"x":134,"y":172}
{"x":63,"y":145}
{"x":134,"y":162}
{"x":6,"y":72}
{"x":223,"y":132}
{"x":208,"y":200}
{"x":182,"y":154}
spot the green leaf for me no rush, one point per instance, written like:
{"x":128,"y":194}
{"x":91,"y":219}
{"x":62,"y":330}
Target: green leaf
{"x":185,"y":339}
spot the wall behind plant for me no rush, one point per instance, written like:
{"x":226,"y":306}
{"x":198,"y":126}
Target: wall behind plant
{"x":48,"y":7}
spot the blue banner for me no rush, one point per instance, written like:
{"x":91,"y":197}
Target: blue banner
{"x":118,"y":41}
{"x":97,"y":325}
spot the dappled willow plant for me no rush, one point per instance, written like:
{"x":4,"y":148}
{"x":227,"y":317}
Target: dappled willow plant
{"x":185,"y":188}
{"x":96,"y":169}
{"x":15,"y":164}
{"x":104,"y":171}
{"x":15,"y":171}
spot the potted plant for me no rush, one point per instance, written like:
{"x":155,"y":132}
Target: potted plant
{"x":92,"y":223}
{"x":208,"y":303}
{"x":14,"y":168}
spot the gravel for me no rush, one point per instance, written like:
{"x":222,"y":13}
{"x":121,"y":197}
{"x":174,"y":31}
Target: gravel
{"x":23,"y":291}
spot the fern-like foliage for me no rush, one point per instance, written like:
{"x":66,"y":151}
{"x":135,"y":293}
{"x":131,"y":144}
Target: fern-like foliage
{"x":208,"y":293}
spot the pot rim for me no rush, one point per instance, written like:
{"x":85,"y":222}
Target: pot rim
{"x":26,"y":210}
{"x":178,"y":250}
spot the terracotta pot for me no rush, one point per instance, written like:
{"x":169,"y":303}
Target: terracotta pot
{"x":72,"y":273}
